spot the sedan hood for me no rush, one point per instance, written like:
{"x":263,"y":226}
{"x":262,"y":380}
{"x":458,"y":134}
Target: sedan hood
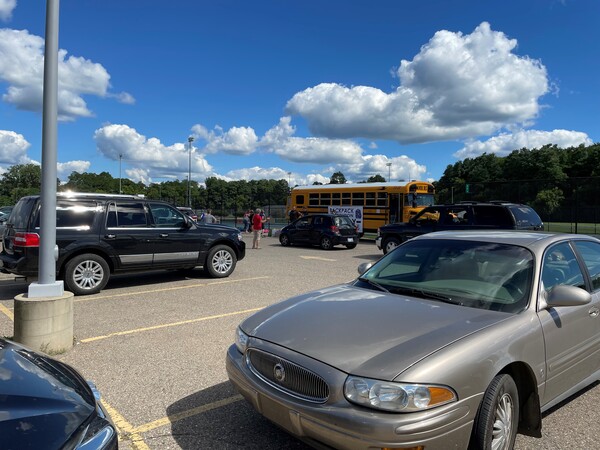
{"x":365,"y":332}
{"x":42,"y":399}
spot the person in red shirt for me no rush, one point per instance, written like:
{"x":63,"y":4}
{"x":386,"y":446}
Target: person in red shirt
{"x":257,"y":226}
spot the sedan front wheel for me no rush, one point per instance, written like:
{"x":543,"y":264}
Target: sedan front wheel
{"x":496,"y":424}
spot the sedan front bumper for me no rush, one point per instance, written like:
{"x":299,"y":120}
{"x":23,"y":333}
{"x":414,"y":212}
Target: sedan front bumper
{"x":378,"y":243}
{"x":342,"y":425}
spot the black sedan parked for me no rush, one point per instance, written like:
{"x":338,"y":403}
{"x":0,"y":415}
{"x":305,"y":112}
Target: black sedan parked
{"x":46,"y":404}
{"x":324,"y":230}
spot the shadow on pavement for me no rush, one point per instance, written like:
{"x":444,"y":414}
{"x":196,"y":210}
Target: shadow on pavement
{"x":233,"y":426}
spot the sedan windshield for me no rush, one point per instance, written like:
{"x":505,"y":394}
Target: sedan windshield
{"x":475,"y":274}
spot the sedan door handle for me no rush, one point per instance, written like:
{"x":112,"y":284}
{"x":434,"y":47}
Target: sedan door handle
{"x":594,"y":312}
{"x":110,"y":236}
{"x":163,"y":235}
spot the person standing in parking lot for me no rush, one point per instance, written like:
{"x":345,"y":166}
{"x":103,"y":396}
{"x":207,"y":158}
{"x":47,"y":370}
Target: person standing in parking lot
{"x":257,"y":225}
{"x":208,"y":217}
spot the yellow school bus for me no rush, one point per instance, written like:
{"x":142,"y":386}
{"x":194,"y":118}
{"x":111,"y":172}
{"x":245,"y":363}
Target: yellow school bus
{"x":370,"y":204}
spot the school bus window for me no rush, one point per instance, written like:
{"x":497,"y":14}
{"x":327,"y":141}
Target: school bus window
{"x":346,"y":198}
{"x":313,"y":199}
{"x":358,"y":199}
{"x":299,"y":199}
{"x":326,"y":199}
{"x":382,"y":199}
{"x":370,"y":200}
{"x":335,"y":198}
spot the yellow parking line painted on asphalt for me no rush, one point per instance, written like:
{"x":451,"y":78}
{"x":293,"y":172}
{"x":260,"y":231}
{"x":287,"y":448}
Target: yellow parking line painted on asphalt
{"x":318,"y":257}
{"x":167,"y":325}
{"x":7,"y":312}
{"x":185,"y":414}
{"x":125,"y":429}
{"x":175,"y":288}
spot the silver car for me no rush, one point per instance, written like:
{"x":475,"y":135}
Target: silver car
{"x":453,"y":339}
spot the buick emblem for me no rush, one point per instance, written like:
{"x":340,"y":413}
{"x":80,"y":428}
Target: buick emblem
{"x":279,"y":372}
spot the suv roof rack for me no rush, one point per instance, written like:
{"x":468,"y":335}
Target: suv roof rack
{"x":95,"y":194}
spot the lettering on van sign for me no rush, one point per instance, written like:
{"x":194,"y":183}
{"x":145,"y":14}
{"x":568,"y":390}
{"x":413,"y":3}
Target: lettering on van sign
{"x":354,"y":212}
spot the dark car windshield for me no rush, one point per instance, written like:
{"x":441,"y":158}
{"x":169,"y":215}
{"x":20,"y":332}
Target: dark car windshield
{"x":476,"y":274}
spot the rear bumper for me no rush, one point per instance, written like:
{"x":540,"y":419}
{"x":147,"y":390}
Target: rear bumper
{"x":16,"y":265}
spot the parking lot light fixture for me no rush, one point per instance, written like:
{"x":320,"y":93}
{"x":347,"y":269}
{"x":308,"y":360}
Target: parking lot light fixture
{"x":190,"y":140}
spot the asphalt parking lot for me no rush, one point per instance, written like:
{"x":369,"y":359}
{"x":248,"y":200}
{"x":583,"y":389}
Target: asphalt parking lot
{"x":155,"y":345}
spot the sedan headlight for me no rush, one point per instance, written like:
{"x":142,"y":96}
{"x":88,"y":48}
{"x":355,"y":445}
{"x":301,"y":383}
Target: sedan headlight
{"x":396,"y":397}
{"x":241,"y":340}
{"x":240,"y":237}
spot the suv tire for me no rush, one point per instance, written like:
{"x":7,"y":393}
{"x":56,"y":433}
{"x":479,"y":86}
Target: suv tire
{"x":220,"y":261}
{"x":86,"y":274}
{"x":390,"y":244}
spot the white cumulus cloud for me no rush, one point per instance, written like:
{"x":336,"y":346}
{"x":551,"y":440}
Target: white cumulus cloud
{"x":66,"y":169}
{"x":6,"y":9}
{"x":22,"y":68}
{"x":503,"y":144}
{"x":156,"y":159}
{"x":458,"y":86}
{"x":13,"y":148}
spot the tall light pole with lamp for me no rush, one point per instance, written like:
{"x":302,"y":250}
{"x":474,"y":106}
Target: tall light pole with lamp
{"x":389,"y":166}
{"x":120,"y":186}
{"x":190,"y":140}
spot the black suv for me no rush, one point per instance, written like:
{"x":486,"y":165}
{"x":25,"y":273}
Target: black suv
{"x":461,"y":216}
{"x":325,"y":230}
{"x":101,"y":234}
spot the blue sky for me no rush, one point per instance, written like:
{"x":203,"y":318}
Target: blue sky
{"x":299,"y":89}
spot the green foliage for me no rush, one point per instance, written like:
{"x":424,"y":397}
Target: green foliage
{"x":337,"y":178}
{"x":18,"y":181}
{"x":376,"y":179}
{"x":562,"y":183}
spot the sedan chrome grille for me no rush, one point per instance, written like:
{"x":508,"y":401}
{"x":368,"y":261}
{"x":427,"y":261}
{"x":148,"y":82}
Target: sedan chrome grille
{"x":287,"y":376}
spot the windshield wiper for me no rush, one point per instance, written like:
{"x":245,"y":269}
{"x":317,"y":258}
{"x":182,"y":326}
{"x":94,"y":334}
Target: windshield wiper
{"x":428,"y":294}
{"x":373,"y":283}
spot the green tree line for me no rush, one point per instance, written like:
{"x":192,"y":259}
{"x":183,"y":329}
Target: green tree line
{"x":223,"y":197}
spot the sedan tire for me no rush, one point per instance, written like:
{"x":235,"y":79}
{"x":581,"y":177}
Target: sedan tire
{"x":86,"y":274}
{"x":350,"y":246}
{"x":498,"y":416}
{"x":284,"y":240}
{"x":220,"y":261}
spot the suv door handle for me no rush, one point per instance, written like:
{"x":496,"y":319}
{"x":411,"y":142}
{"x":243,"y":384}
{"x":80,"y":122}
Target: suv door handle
{"x":163,"y":235}
{"x":110,"y":236}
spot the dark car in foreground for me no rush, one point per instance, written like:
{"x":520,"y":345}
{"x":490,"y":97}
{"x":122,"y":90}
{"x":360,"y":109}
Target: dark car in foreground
{"x":46,"y":404}
{"x":324,"y":230}
{"x":460,"y":216}
{"x":453,"y":340}
{"x":101,"y":234}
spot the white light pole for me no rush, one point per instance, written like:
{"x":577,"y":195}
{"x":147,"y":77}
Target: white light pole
{"x":389,"y":165}
{"x":190,"y":140}
{"x":120,"y":185}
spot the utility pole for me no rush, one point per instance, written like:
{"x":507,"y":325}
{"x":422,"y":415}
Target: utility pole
{"x":190,"y":140}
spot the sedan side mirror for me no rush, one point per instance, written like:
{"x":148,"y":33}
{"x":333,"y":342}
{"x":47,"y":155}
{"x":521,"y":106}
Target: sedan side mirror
{"x":567,"y":295}
{"x":363,"y":267}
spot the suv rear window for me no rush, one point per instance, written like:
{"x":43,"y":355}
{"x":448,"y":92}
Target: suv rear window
{"x":21,"y":213}
{"x":525,"y":216}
